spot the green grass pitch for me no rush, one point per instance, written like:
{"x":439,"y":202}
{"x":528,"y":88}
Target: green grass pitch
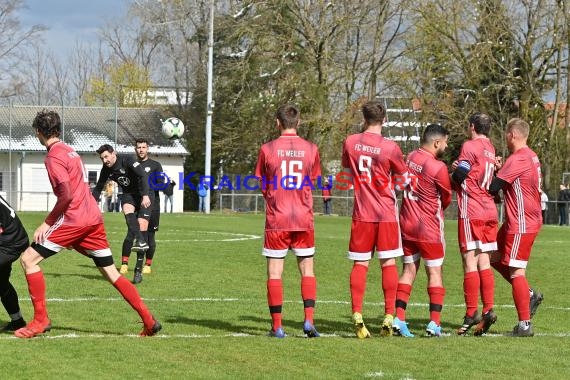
{"x":208,"y":290}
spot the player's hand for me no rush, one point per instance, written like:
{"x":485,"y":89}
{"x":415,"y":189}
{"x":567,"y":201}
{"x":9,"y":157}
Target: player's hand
{"x":454,"y":165}
{"x":145,"y":201}
{"x":40,"y":233}
{"x":498,"y":162}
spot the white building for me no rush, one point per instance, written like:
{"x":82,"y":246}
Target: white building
{"x":23,"y":178}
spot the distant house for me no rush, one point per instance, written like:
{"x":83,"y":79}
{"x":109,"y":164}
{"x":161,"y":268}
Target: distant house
{"x":23,"y":178}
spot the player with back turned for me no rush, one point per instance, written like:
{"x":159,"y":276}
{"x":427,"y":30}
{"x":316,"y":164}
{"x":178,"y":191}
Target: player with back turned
{"x":477,"y":223}
{"x":287,"y":167}
{"x":74,"y":222}
{"x":377,"y":169}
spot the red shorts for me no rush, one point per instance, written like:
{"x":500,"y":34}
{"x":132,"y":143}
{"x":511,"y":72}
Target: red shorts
{"x":432,"y":253}
{"x":278,"y":243}
{"x":88,"y":240}
{"x":477,"y":234}
{"x":515,"y":248}
{"x":365,"y":237}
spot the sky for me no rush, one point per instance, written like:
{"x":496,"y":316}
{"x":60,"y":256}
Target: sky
{"x":70,"y":20}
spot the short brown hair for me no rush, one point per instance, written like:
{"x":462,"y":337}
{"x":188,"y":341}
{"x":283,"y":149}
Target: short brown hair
{"x":288,"y":115}
{"x":105,"y":148}
{"x":47,"y":123}
{"x":374,"y":112}
{"x":481,"y":122}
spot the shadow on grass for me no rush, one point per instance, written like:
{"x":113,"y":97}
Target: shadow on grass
{"x":95,"y":276}
{"x":217,"y":324}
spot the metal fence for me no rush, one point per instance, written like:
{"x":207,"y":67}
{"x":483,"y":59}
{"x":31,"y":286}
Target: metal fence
{"x":342,"y":206}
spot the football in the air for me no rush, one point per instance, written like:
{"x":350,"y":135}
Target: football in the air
{"x":172,"y":128}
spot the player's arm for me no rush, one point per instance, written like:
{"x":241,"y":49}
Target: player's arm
{"x":260,"y":171}
{"x":496,"y":185}
{"x":142,"y":177}
{"x":443,"y":184}
{"x":159,"y":178}
{"x":64,"y":196}
{"x":402,"y":177}
{"x":103,"y":177}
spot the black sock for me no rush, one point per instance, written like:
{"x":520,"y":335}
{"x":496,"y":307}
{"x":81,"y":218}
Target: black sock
{"x":140,"y":261}
{"x":133,"y":224}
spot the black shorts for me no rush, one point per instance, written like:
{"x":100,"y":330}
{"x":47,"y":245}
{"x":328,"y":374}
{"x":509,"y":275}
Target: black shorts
{"x":154,"y":220}
{"x":135,"y":200}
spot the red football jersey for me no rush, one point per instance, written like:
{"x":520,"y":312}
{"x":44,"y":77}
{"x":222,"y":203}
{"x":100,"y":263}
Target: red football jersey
{"x":474,"y":202}
{"x":421,"y":217}
{"x":63,"y":164}
{"x":376,"y":165}
{"x":522,"y":195}
{"x":287,"y":168}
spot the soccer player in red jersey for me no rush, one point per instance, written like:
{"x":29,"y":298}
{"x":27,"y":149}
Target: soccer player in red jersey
{"x":75,"y":222}
{"x":478,"y":222}
{"x":287,"y":168}
{"x":421,"y":221}
{"x":519,"y":178}
{"x":377,"y":169}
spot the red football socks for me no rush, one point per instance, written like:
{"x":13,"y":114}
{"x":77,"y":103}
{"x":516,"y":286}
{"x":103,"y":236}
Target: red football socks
{"x":487,"y":289}
{"x":436,"y":297}
{"x":358,"y":286}
{"x":131,"y":295}
{"x":37,"y":289}
{"x":389,"y":287}
{"x":309,"y":294}
{"x":402,"y":298}
{"x":471,"y":284}
{"x":275,"y":301}
{"x":521,"y":298}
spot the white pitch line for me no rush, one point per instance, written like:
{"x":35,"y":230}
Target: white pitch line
{"x":208,"y":299}
{"x":245,"y":335}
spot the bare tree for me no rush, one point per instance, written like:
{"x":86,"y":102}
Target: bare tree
{"x":12,"y":39}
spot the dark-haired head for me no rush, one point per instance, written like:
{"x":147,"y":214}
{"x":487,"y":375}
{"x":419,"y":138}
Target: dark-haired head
{"x":288,"y":116}
{"x":105,"y":148}
{"x":373,"y":112}
{"x":481,"y":123}
{"x":141,"y":141}
{"x":434,"y":132}
{"x":47,"y":123}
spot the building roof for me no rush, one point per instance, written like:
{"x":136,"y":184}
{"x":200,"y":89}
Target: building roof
{"x":87,"y":128}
